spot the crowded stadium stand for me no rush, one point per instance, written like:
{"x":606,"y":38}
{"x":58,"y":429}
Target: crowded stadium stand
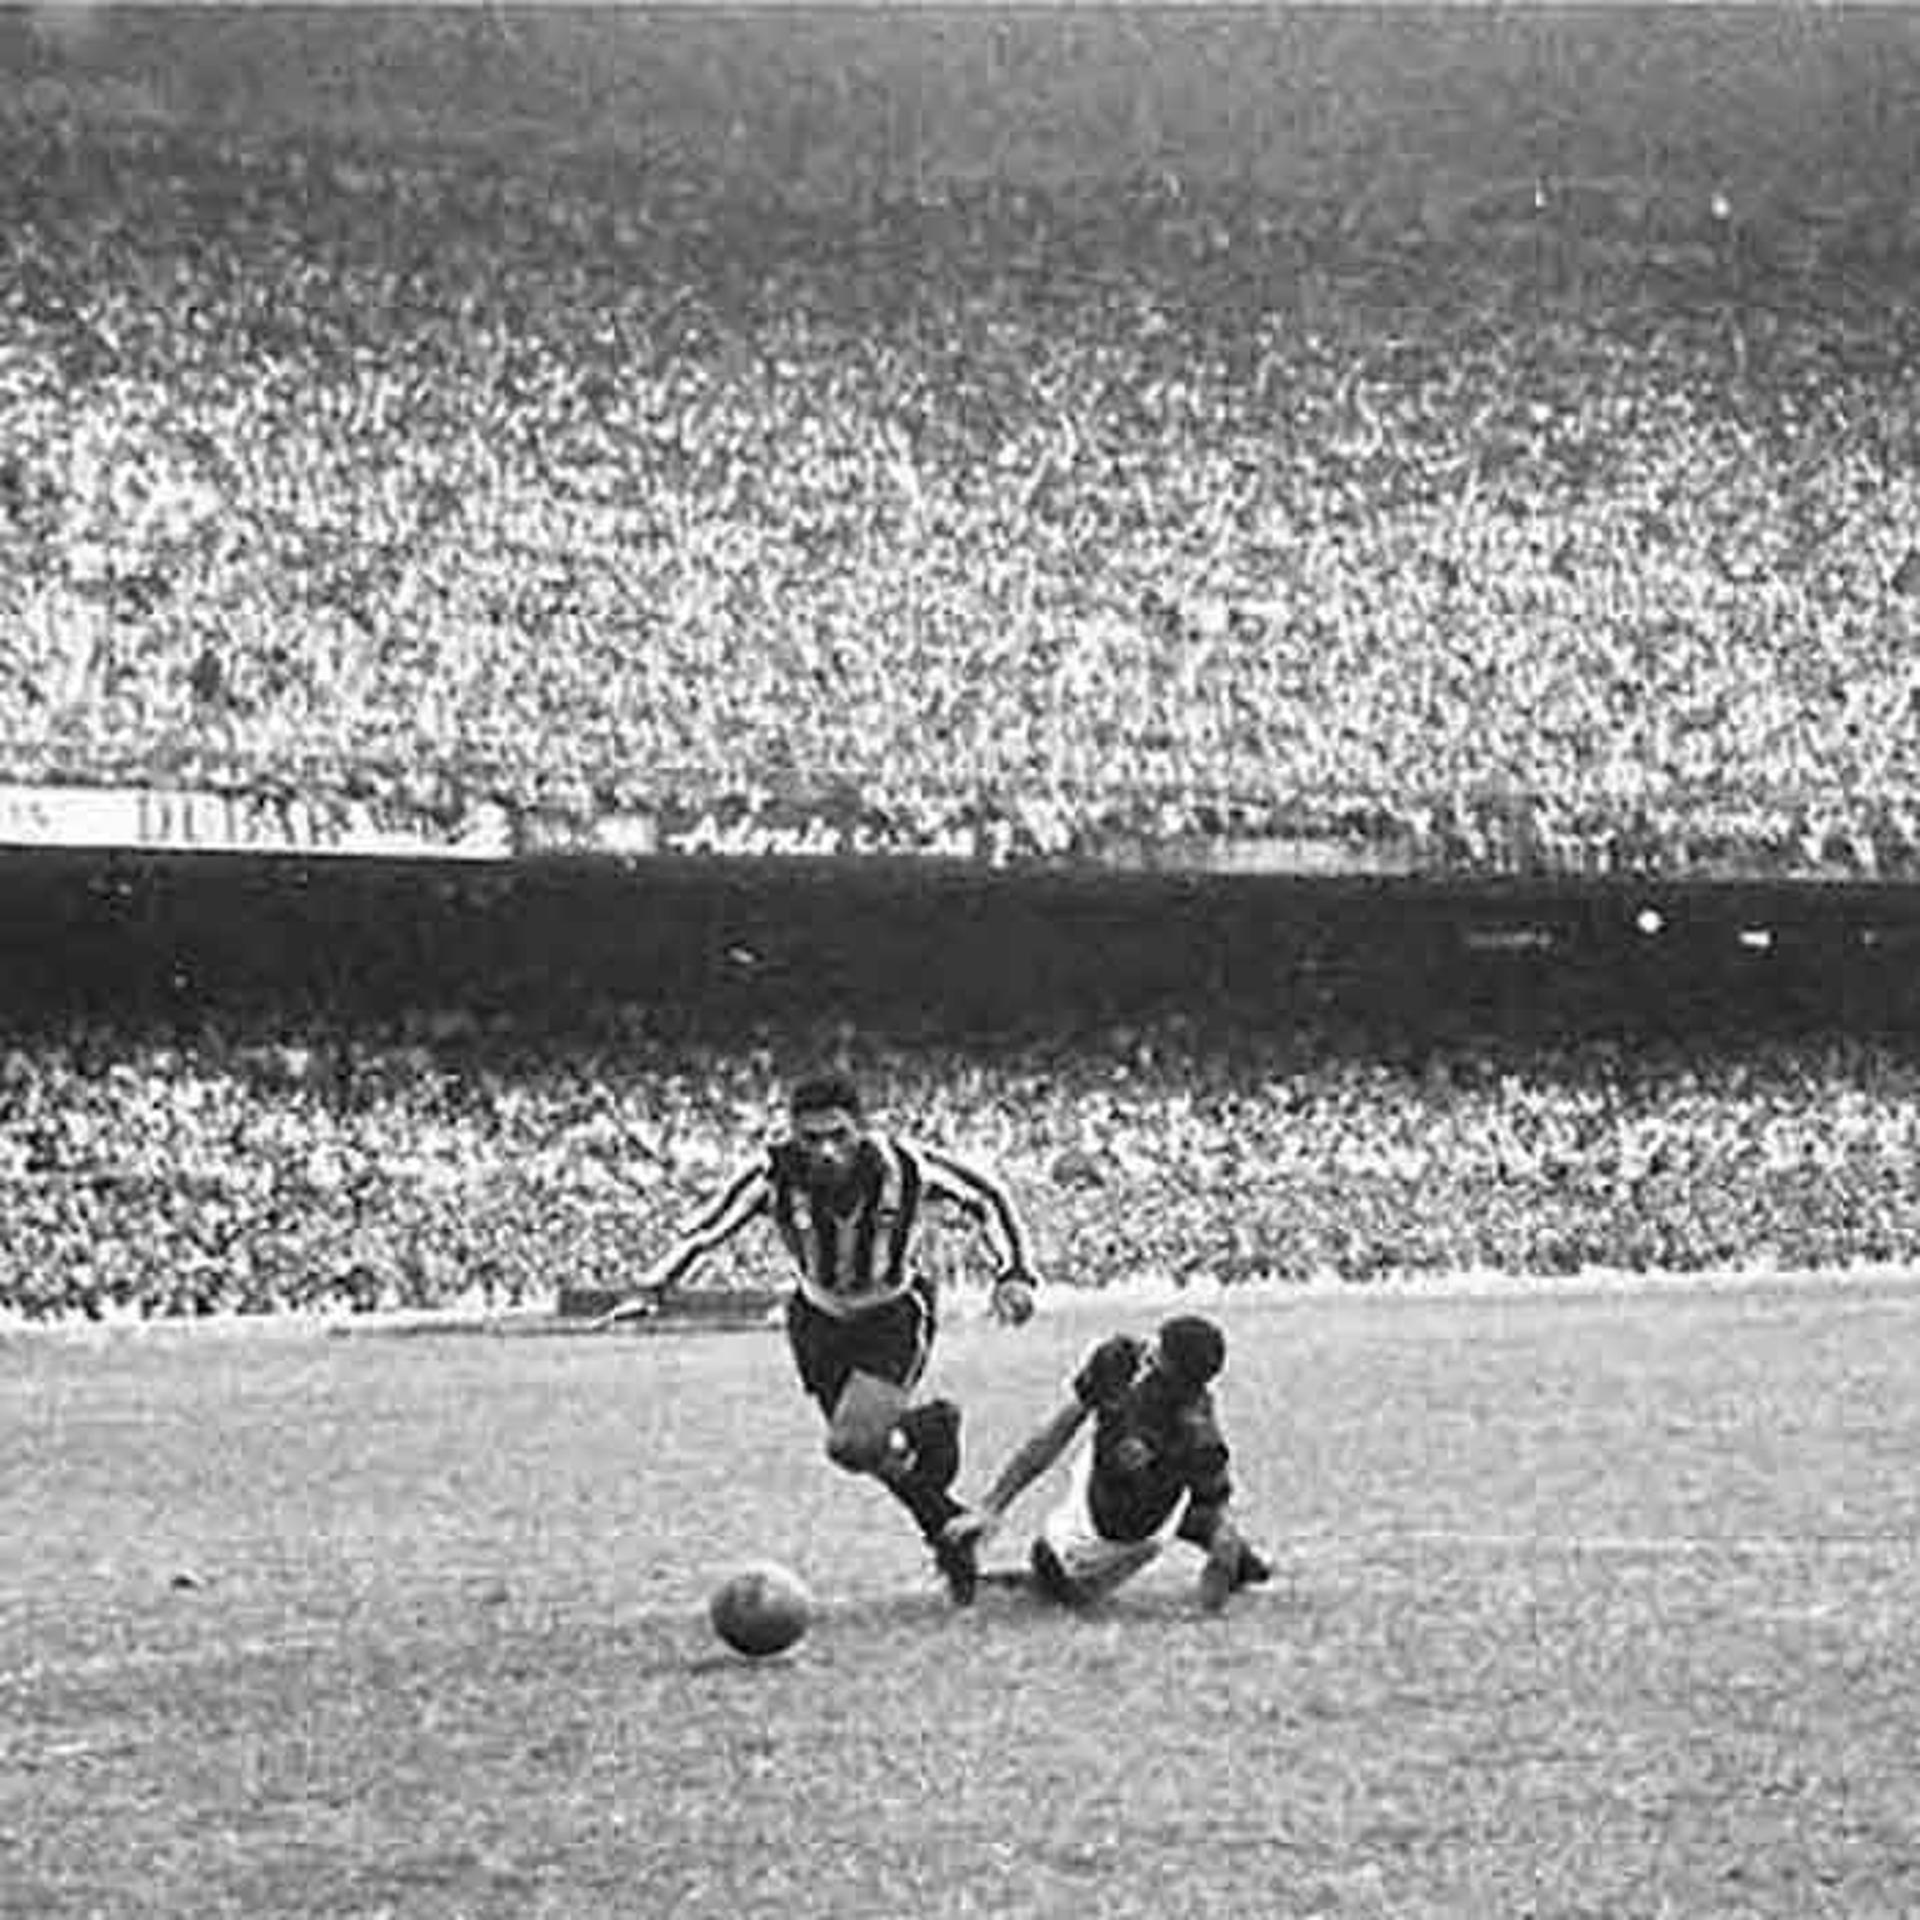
{"x":1426,"y":503}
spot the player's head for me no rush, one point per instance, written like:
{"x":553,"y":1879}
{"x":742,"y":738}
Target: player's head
{"x":828,"y":1125}
{"x":1190,"y":1351}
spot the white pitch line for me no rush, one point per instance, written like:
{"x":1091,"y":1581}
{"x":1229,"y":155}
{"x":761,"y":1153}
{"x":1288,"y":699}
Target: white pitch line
{"x":1703,"y":1545}
{"x":88,"y":1666}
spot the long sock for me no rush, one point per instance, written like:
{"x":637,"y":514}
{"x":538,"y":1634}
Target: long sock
{"x":931,"y":1505}
{"x":932,"y":1434}
{"x":923,"y":1474}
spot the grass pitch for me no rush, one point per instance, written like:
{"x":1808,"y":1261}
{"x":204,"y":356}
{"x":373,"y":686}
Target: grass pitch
{"x":1588,"y":1605}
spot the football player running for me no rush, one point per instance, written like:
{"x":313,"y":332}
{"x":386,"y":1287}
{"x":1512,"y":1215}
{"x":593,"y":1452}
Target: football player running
{"x":1155,"y":1469}
{"x":847,"y":1198}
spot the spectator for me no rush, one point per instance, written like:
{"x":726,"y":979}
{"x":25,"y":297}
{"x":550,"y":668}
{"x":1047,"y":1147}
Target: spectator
{"x":1558,"y":533}
{"x":168,"y":1181}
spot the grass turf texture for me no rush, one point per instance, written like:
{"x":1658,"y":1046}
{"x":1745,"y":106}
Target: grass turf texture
{"x":1587,"y":1605}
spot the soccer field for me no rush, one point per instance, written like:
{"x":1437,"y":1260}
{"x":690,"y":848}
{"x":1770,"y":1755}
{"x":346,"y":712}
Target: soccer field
{"x":1591,"y":1604}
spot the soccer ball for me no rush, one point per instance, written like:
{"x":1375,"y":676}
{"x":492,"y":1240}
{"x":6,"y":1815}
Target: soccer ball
{"x":760,"y":1609}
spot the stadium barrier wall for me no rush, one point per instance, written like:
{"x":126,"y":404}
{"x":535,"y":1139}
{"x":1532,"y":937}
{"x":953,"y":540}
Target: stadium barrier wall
{"x":1503,"y":841}
{"x":909,"y":948}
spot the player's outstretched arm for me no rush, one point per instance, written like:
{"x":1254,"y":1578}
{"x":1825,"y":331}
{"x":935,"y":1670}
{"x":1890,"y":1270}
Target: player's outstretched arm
{"x":745,"y":1198}
{"x":985,"y":1199}
{"x":1029,"y":1461}
{"x":643,"y":1299}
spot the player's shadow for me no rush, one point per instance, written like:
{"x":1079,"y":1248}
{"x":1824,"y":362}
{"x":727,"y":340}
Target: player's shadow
{"x":1008,"y":1597}
{"x":726,"y":1662}
{"x":1003,"y":1598}
{"x":1007,"y":1601}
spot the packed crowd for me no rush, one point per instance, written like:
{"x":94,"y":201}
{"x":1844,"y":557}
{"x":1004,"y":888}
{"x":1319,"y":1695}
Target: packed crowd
{"x":458,"y":1168}
{"x":1576,"y":525}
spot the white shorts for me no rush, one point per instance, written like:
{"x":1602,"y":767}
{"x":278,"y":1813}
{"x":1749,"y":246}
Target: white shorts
{"x":1095,"y":1565}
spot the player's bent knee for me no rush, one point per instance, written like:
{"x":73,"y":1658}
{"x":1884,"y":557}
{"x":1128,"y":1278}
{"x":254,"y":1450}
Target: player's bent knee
{"x":857,"y":1450}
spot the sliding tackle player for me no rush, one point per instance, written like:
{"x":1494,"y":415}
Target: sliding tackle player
{"x":1155,"y":1470}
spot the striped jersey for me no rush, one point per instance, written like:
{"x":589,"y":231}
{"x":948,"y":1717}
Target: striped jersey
{"x":856,"y":1252}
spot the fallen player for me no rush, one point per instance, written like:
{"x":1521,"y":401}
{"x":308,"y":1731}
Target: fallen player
{"x":1155,"y":1470}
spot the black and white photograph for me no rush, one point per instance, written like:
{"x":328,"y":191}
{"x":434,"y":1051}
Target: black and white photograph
{"x":959,"y":961}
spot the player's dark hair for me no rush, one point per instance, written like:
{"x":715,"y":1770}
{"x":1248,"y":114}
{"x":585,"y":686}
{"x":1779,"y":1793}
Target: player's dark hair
{"x":1192,"y":1350}
{"x":824,"y":1093}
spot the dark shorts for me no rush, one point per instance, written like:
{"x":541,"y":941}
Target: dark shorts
{"x":892,"y":1342}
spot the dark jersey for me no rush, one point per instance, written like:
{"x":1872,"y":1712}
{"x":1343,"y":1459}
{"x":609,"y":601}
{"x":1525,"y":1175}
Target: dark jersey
{"x":1155,"y":1444}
